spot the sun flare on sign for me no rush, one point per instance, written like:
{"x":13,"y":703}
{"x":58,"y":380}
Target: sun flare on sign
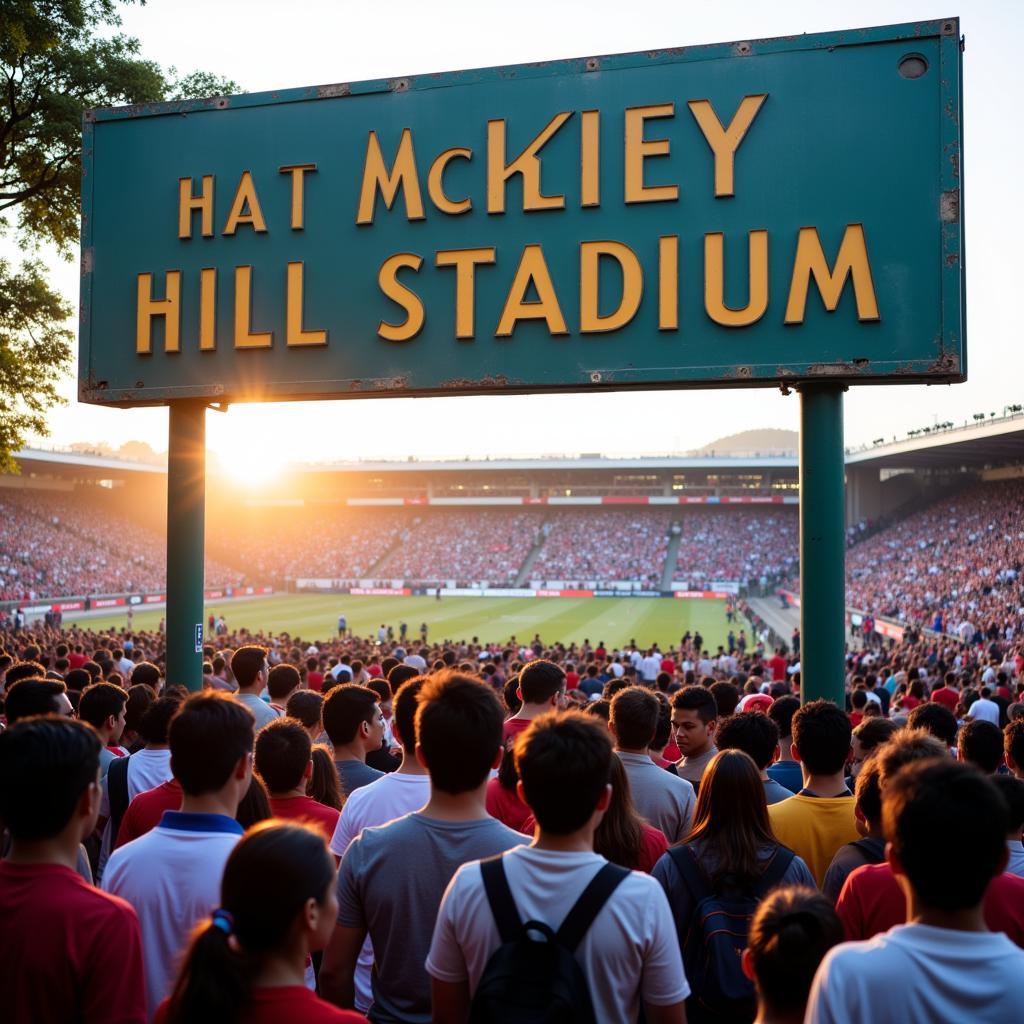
{"x":245,"y":447}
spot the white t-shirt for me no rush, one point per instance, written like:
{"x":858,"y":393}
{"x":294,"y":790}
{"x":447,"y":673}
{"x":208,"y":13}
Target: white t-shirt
{"x":171,"y":876}
{"x":917,"y":974}
{"x":984,"y":710}
{"x":631,"y":951}
{"x":383,"y":800}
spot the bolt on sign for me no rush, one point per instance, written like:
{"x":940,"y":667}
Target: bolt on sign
{"x":754,"y":213}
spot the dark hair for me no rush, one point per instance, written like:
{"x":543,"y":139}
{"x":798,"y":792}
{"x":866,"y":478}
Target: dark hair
{"x":215,"y":982}
{"x":540,"y":680}
{"x":93,"y":668}
{"x":753,"y":733}
{"x":100,"y":702}
{"x":934,"y":718}
{"x":663,"y":731}
{"x":145,"y":673}
{"x":247,"y":663}
{"x":45,"y":764}
{"x":940,"y":804}
{"x":283,"y":750}
{"x":306,"y":706}
{"x":781,"y":713}
{"x":981,"y":743}
{"x":404,"y":706}
{"x":401,"y":673}
{"x":868,"y":791}
{"x":323,"y":785}
{"x":458,"y":727}
{"x":24,"y":670}
{"x":731,"y":818}
{"x":281,"y":680}
{"x":208,"y":736}
{"x":696,"y":698}
{"x":824,"y":730}
{"x":873,"y":732}
{"x":140,"y":697}
{"x":907,"y":746}
{"x":255,"y":804}
{"x":727,"y":696}
{"x":790,"y":933}
{"x":634,"y":717}
{"x":345,"y":709}
{"x":616,"y":685}
{"x":382,"y":688}
{"x":564,"y":763}
{"x":1012,"y":791}
{"x":31,"y":697}
{"x":619,"y":835}
{"x":512,"y":699}
{"x":1013,"y":742}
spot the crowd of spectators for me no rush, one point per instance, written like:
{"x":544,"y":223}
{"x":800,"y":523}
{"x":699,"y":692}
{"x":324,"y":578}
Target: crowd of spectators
{"x":738,"y":544}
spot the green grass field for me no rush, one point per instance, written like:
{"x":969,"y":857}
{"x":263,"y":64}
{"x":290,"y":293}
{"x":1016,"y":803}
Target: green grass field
{"x":613,"y":620}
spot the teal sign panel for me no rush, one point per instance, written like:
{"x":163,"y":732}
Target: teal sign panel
{"x":758,"y":213}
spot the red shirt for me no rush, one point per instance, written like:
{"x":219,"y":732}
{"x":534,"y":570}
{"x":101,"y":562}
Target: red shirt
{"x":68,"y":951}
{"x":872,"y":902}
{"x":513,"y":727}
{"x":77,"y":660}
{"x":668,"y":665}
{"x":947,"y":697}
{"x":652,"y":846}
{"x":146,"y":810}
{"x":299,"y":808}
{"x":507,"y":807}
{"x":778,"y":665}
{"x":289,"y":1002}
{"x":315,"y":680}
{"x":572,"y":680}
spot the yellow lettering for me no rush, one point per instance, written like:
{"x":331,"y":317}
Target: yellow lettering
{"x":852,"y":261}
{"x":207,"y":309}
{"x":406,"y":298}
{"x":435,"y":182}
{"x":296,"y":335}
{"x":632,"y":286}
{"x":527,"y":164}
{"x":725,"y":141}
{"x":532,"y":270}
{"x":465,"y":261}
{"x":590,"y":150}
{"x":377,"y":176}
{"x":714,"y":280}
{"x":298,"y":173}
{"x":244,"y":336}
{"x":668,"y":283}
{"x":189,"y":203}
{"x":168,"y":307}
{"x":245,"y":208}
{"x":638,"y":150}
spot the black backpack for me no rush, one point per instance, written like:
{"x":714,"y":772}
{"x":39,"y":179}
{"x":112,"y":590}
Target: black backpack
{"x":117,"y":794}
{"x":531,"y":982}
{"x":868,"y":850}
{"x":717,"y":936}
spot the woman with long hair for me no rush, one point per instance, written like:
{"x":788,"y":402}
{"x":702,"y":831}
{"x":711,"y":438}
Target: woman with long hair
{"x":623,"y":836}
{"x":247,"y":961}
{"x":323,"y":785}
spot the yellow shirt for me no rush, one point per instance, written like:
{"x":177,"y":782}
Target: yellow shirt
{"x":814,"y":828}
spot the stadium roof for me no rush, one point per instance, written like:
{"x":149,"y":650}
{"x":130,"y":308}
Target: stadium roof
{"x":559,"y":463}
{"x":34,"y":460}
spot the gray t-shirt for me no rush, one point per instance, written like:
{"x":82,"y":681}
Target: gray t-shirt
{"x":261,"y":710}
{"x":391,"y":882}
{"x":692,"y":768}
{"x":352,"y":775}
{"x":662,"y":799}
{"x":774,"y":793}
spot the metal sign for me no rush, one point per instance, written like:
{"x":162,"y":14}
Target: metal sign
{"x":756,"y":213}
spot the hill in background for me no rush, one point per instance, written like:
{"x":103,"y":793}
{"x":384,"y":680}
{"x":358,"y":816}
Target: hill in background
{"x":764,"y":442}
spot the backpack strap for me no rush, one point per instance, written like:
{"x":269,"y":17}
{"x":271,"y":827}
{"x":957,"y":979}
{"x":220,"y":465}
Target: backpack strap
{"x":690,"y":872}
{"x":867,"y":850}
{"x":499,"y":896}
{"x":579,"y":919}
{"x":777,"y":867}
{"x":117,"y":792}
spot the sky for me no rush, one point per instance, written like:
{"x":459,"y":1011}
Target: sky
{"x":267,"y":45}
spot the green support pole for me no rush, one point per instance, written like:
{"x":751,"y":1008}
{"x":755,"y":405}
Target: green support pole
{"x":186,"y":523}
{"x":822,"y":543}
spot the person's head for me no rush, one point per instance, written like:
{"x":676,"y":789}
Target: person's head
{"x":103,"y":706}
{"x":821,"y":737}
{"x":981,"y":743}
{"x":249,"y":667}
{"x":254,"y":806}
{"x":282,"y":682}
{"x":727,"y":696}
{"x":156,"y":719}
{"x":731,"y":816}
{"x":510,"y":694}
{"x":323,"y":785}
{"x":27,"y":669}
{"x":399,"y":674}
{"x":753,"y":733}
{"x":663,"y":730}
{"x":290,"y":867}
{"x":306,"y":706}
{"x":600,"y":708}
{"x":211,"y":740}
{"x":145,"y":673}
{"x":283,"y":755}
{"x":542,"y":682}
{"x":1012,"y":791}
{"x":458,"y":729}
{"x":907,"y":746}
{"x":50,"y":771}
{"x":404,"y":706}
{"x":30,"y":697}
{"x":868,"y":737}
{"x":940,"y":804}
{"x":868,"y":798}
{"x":694,"y":717}
{"x":619,"y":835}
{"x":634,"y":718}
{"x":564,"y":764}
{"x":352,"y":718}
{"x":1013,"y":747}
{"x":790,"y":933}
{"x":936,"y":719}
{"x":781,"y":713}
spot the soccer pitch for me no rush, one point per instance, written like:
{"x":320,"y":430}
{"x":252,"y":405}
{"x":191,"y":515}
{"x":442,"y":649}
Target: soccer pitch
{"x":615,"y":621}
